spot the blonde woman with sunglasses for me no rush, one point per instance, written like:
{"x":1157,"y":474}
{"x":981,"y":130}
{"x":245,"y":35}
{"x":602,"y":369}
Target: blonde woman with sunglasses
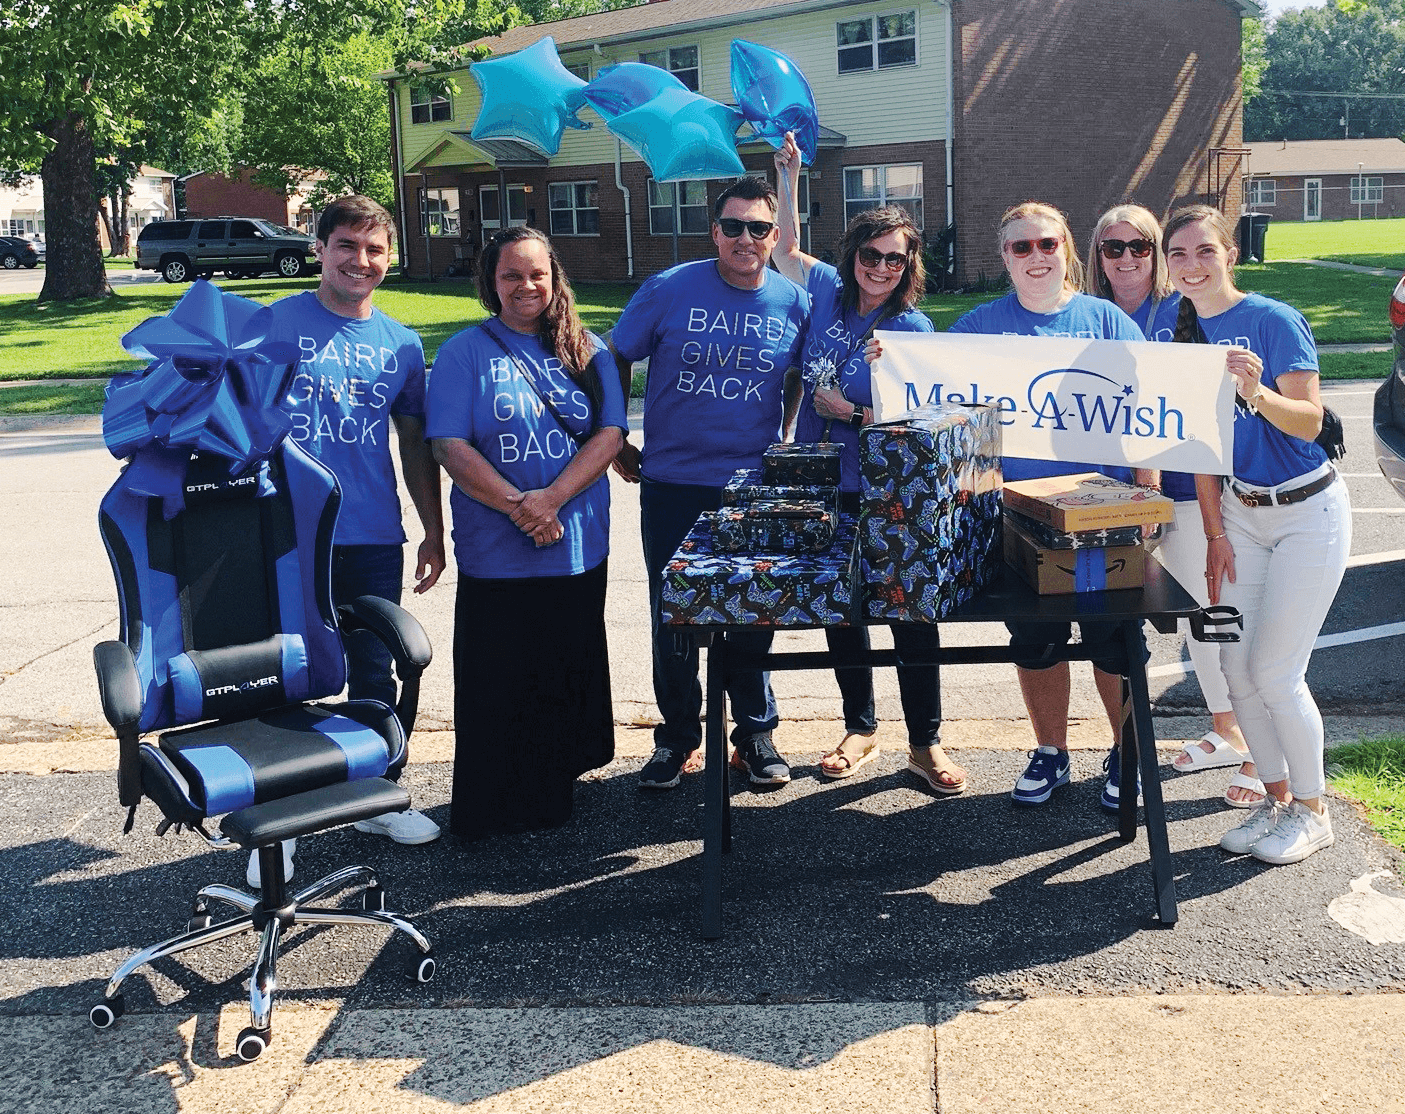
{"x":1128,"y":267}
{"x":877,"y":284}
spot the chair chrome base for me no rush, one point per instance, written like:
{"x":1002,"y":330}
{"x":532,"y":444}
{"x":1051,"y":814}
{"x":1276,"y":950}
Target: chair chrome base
{"x":270,"y":914}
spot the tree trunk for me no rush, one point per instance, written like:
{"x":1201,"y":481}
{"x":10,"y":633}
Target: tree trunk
{"x":123,"y":244}
{"x":73,"y":268}
{"x":103,"y":214}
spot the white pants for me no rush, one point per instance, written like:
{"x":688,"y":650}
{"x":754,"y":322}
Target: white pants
{"x":1289,"y":562}
{"x":1182,"y":551}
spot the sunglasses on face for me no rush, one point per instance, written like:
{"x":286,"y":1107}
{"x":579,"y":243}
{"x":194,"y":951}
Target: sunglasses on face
{"x":732,"y":228}
{"x":1022,"y":249}
{"x":894,"y":260}
{"x":1113,"y":249}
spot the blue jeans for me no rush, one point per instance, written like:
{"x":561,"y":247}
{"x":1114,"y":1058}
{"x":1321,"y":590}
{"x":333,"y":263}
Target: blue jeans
{"x":666,"y":515}
{"x":367,"y":570}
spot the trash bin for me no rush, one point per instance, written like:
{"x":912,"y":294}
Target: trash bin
{"x":1249,"y":235}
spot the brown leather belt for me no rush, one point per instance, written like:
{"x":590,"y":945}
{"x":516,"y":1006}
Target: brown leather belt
{"x":1284,"y":498}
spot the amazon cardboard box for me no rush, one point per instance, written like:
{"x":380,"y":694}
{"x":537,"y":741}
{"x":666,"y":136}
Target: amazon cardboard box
{"x":1055,"y":572}
{"x":1086,"y":501}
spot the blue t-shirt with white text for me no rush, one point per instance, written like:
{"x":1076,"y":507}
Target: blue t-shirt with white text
{"x":479,"y":395}
{"x":1082,"y":316}
{"x":717,"y":362}
{"x":1163,"y":327}
{"x":834,"y":342}
{"x":353,"y":375}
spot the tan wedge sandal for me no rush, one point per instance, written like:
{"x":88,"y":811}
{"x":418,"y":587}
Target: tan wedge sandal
{"x":853,"y":750}
{"x":942,"y":775}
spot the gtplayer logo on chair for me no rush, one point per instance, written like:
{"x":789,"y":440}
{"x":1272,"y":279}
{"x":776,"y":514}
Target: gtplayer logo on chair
{"x":243,"y":686}
{"x":237,"y":482}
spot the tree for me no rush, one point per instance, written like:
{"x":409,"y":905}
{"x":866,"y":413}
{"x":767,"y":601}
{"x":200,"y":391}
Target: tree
{"x":1352,"y":47}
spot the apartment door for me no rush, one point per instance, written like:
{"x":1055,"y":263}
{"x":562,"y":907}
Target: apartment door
{"x":1312,"y":199}
{"x":490,"y":208}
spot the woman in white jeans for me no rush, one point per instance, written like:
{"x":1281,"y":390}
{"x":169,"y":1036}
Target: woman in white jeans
{"x":1278,"y":532}
{"x":1127,"y":266}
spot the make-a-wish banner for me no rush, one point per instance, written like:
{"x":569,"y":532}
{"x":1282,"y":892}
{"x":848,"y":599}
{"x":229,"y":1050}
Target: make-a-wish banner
{"x":1135,"y":404}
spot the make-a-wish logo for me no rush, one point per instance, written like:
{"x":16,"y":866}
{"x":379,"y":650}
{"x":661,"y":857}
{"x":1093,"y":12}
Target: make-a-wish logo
{"x":1072,"y":398}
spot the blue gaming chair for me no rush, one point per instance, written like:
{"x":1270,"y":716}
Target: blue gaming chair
{"x":230,"y":650}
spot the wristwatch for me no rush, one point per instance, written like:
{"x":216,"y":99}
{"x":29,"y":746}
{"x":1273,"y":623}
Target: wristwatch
{"x":856,"y":418}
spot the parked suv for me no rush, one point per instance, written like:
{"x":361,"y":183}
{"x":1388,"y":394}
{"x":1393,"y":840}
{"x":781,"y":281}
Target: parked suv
{"x":241,"y":247}
{"x":1388,"y":420}
{"x":16,"y":251}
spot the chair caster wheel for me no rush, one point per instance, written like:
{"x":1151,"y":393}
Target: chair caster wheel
{"x":105,"y":1014}
{"x":198,"y":922}
{"x":425,"y":968}
{"x":252,"y":1043}
{"x":373,"y":899}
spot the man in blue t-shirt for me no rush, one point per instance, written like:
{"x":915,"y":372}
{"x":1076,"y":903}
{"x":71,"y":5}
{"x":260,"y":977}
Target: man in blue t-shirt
{"x":359,"y":374}
{"x":720,"y":336}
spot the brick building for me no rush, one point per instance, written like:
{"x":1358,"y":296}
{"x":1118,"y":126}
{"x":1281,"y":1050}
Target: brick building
{"x":212,"y":194}
{"x":953,"y":109}
{"x":1327,"y":179}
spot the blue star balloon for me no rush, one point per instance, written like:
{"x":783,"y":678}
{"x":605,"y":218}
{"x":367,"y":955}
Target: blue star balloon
{"x":628,"y":85}
{"x":529,"y":96}
{"x":774,"y":97}
{"x":683,"y":136}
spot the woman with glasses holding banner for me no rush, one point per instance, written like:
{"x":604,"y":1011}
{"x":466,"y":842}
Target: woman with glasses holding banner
{"x":1128,"y":267}
{"x":1278,"y":532}
{"x":525,"y":413}
{"x":877,"y":285}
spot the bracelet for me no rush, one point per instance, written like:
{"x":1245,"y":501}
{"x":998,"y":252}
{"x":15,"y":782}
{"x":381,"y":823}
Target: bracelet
{"x":1252,"y":401}
{"x":1215,"y":537}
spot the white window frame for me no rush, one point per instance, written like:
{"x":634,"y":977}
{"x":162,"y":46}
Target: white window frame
{"x":873,"y":43}
{"x":432,"y":104}
{"x":1260,"y":193}
{"x":434,"y":197}
{"x":673,"y":206}
{"x":1367,"y":189}
{"x":645,"y":56}
{"x":884,"y":198}
{"x":581,"y":69}
{"x":574,"y":209}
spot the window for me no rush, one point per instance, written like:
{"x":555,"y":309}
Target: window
{"x":1368,"y":191}
{"x":439,"y":212}
{"x":1260,"y":191}
{"x":575,"y":208}
{"x":210,"y":230}
{"x":877,"y":42}
{"x":680,"y":61}
{"x":580,"y":69}
{"x":243,"y":230}
{"x":686,"y":199}
{"x":867,"y":187}
{"x":427,"y":107}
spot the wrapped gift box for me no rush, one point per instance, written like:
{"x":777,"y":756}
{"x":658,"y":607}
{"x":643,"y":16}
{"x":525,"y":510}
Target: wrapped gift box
{"x":1087,"y":501}
{"x":774,"y":526}
{"x":801,"y":464}
{"x":746,"y":486}
{"x":1048,"y":538}
{"x":1052,"y":572}
{"x":703,"y":586}
{"x":929,"y":538}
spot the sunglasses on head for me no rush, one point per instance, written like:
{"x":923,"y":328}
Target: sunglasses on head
{"x":894,"y":260}
{"x":732,"y":228}
{"x":1113,"y":249}
{"x":1021,"y":249}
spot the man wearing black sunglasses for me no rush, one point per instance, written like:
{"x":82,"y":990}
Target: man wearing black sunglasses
{"x":720,"y":335}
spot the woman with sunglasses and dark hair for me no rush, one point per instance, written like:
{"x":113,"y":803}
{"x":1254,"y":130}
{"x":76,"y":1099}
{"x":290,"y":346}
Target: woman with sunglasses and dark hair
{"x":1128,"y":267}
{"x":525,"y":413}
{"x":877,"y":285}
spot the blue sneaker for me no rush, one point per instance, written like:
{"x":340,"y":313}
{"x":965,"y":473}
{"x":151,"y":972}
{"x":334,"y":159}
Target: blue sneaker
{"x":1047,"y":770}
{"x":1112,"y":788}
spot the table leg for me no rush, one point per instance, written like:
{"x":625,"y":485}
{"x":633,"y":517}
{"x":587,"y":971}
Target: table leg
{"x":1159,"y":842}
{"x":1127,"y":757}
{"x":717,"y":836}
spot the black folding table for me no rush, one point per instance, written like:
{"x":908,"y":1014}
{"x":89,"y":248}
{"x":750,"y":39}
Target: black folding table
{"x":1160,"y":601}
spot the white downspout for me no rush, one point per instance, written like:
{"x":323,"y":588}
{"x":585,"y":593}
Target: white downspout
{"x":628,"y":223}
{"x":950,"y":132}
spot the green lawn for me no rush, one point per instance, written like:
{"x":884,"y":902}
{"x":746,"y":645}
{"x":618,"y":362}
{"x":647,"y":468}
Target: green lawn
{"x":1371,"y":243}
{"x":1373,"y":772}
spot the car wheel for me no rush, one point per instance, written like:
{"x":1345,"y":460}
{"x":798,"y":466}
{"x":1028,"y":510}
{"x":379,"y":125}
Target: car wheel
{"x":32,"y":263}
{"x":289,"y":265}
{"x":176,"y":270}
{"x":10,"y":262}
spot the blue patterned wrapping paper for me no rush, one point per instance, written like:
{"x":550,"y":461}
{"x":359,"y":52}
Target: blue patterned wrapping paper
{"x":704,"y":587}
{"x":774,"y":526}
{"x":801,"y":464}
{"x":746,"y":486}
{"x":929,"y":536}
{"x":1049,"y":538}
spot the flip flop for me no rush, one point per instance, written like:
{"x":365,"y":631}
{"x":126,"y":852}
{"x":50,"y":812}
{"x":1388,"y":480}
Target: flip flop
{"x":1244,"y":781}
{"x":1223,"y":755}
{"x":851,"y":764}
{"x":941,"y":764}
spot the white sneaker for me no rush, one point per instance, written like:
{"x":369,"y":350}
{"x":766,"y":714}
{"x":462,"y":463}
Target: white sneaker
{"x":252,"y":874}
{"x":1298,"y":835}
{"x":1262,"y":819}
{"x":410,"y":826}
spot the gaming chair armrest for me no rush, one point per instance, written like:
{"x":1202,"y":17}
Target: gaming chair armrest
{"x":120,"y":690}
{"x":403,"y":637}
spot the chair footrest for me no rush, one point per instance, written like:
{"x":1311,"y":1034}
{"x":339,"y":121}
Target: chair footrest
{"x":312,"y":811}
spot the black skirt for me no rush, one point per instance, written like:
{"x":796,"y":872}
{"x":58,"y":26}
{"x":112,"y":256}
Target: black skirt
{"x":532,"y":708}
